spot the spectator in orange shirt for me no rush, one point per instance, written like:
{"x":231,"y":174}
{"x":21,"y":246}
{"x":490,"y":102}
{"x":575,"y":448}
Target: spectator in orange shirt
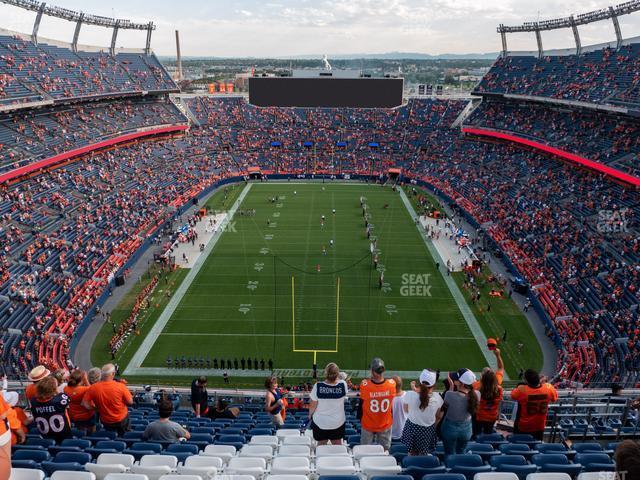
{"x":111,"y":398}
{"x":19,"y":430}
{"x":533,"y":403}
{"x":375,"y":407}
{"x":83,"y":418}
{"x":491,"y":394}
{"x":8,"y":423}
{"x":37,"y":374}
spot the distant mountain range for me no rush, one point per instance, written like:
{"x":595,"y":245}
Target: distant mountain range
{"x":355,"y":56}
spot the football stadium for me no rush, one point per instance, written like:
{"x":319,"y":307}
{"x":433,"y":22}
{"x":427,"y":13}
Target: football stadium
{"x":318,"y":273}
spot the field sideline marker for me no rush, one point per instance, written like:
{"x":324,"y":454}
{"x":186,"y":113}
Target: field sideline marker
{"x":135,"y":364}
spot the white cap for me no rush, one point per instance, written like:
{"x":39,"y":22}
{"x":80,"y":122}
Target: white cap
{"x":466,"y":376}
{"x":11,"y":398}
{"x":428,"y":377}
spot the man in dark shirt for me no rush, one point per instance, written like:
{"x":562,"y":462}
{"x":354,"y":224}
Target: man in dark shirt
{"x":199,"y":396}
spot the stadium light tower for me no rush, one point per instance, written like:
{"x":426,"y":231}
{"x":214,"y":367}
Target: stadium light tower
{"x":610,"y":13}
{"x":80,"y":18}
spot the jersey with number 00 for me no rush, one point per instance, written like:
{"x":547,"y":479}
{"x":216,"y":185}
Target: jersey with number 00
{"x":51,"y":416}
{"x":377,"y":399}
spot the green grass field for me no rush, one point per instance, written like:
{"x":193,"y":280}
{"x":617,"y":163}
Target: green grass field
{"x":260,"y":286}
{"x":260,"y":294}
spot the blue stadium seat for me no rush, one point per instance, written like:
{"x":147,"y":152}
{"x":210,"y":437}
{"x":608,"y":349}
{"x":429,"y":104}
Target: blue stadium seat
{"x":95,"y":452}
{"x":50,"y":467}
{"x":182,"y":447}
{"x":26,"y":447}
{"x":201,"y":440}
{"x":103,"y":434}
{"x":494,"y":439}
{"x":234,"y":440}
{"x":466,"y":464}
{"x":339,"y":477}
{"x":556,"y":448}
{"x":587,"y":447}
{"x":76,"y":442}
{"x":55,"y":449}
{"x":518,"y":449}
{"x":117,"y":445}
{"x":595,"y":462}
{"x":391,"y":477}
{"x":152,"y":446}
{"x":485,"y":450}
{"x":44,"y":442}
{"x":444,"y":476}
{"x":30,"y":464}
{"x":37,"y":456}
{"x":420,"y":465}
{"x":353,"y":440}
{"x":514,"y":464}
{"x":72,"y":457}
{"x":524,"y":438}
{"x":556,"y":462}
{"x":138,"y":454}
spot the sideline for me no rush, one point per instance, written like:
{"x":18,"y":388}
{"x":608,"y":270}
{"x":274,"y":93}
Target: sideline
{"x":472,"y":322}
{"x":147,"y":344}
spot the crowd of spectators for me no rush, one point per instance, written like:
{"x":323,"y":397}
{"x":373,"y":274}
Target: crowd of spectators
{"x":31,"y":73}
{"x":601,"y":137}
{"x":26,"y":137}
{"x":574,"y":237}
{"x":605,"y":76}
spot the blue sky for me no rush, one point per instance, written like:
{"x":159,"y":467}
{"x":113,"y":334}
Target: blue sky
{"x":287,"y":27}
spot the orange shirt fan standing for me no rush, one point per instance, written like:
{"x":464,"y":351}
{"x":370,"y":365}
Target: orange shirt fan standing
{"x":533,"y":403}
{"x":111,"y":398}
{"x":376,"y":399}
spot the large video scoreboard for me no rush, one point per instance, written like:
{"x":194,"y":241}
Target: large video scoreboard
{"x":325,"y":91}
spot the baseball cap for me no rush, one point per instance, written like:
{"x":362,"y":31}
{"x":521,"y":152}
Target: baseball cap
{"x":464,"y":376}
{"x":377,"y":365}
{"x":428,"y":377}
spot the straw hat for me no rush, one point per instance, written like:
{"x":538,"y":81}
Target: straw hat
{"x":38,"y":373}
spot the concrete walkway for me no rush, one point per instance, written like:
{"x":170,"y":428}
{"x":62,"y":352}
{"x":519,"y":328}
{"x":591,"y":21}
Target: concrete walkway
{"x":187,"y":253}
{"x":447,"y":247}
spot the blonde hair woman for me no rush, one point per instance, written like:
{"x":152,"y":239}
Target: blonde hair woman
{"x":326,"y":407}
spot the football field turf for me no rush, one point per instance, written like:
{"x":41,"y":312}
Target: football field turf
{"x":274,"y":286}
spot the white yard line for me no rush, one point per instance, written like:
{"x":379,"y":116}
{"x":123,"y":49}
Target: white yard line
{"x":388,"y":337}
{"x":138,"y":358}
{"x":472,"y":321}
